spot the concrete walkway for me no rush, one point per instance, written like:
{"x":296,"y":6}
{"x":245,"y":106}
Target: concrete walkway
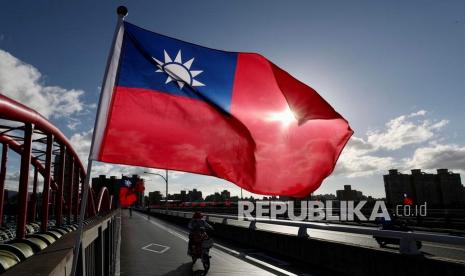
{"x":152,"y":247}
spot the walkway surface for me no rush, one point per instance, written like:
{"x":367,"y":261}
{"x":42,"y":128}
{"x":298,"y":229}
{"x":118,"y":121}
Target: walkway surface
{"x":153,"y":247}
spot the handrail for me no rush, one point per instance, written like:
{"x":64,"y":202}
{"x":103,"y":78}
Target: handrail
{"x":19,"y":112}
{"x":407,"y":238}
{"x":34,"y":123}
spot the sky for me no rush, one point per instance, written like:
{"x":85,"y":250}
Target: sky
{"x":394,"y":69}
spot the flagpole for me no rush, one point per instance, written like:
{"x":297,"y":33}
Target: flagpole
{"x":166,"y":180}
{"x":122,"y":11}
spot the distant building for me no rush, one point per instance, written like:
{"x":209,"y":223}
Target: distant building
{"x":440,"y":190}
{"x":194,"y":195}
{"x":324,"y":197}
{"x":183,"y":196}
{"x":155,"y":197}
{"x":271,"y":198}
{"x":225,"y":195}
{"x":113,"y":185}
{"x":349,"y":194}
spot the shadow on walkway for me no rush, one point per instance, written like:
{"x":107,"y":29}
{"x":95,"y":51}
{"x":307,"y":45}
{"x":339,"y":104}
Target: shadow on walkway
{"x":184,"y":269}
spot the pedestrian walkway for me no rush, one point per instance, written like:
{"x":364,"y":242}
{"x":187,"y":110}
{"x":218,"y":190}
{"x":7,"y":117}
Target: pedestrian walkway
{"x":152,"y":247}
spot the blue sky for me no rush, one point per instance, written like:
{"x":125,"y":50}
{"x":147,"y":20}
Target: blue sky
{"x":394,"y":69}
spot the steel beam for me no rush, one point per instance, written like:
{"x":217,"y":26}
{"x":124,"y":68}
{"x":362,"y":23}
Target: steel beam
{"x":47,"y":177}
{"x":2,"y":179}
{"x":33,"y":201}
{"x":69,"y":199}
{"x":23,"y":181}
{"x":59,"y":178}
{"x":76,"y":194}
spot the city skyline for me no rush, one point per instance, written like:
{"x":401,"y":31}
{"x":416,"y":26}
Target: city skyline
{"x":418,"y":85}
{"x":404,"y":187}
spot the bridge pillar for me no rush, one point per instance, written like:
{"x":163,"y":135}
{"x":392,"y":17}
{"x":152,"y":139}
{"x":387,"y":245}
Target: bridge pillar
{"x":46,"y":191}
{"x":69,"y":199}
{"x":76,"y":193}
{"x":33,"y":201}
{"x":2,"y":179}
{"x":23,"y":181}
{"x":59,"y":178}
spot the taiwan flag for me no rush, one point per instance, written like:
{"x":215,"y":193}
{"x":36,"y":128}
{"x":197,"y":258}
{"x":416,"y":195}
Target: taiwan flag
{"x":170,"y":104}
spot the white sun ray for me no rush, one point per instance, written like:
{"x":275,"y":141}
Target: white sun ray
{"x":167,"y":57}
{"x":197,"y":83}
{"x":188,"y":63}
{"x":178,"y":71}
{"x":178,"y":57}
{"x":195,"y":73}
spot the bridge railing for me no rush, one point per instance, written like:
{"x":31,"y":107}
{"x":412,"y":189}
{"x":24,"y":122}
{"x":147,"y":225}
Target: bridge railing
{"x":40,"y":219}
{"x":98,"y":254}
{"x":407,"y":239}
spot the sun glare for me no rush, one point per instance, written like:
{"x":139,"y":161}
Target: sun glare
{"x":285,"y":117}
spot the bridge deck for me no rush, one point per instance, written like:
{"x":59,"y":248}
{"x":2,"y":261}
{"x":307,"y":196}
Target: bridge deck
{"x":150,"y":247}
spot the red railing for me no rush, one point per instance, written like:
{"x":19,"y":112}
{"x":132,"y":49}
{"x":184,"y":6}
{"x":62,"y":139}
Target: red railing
{"x":42,"y":145}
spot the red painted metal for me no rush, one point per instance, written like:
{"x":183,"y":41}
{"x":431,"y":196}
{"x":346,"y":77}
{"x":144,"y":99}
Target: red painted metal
{"x":104,"y":201}
{"x":76,"y":194}
{"x":2,"y":179}
{"x":33,"y":201}
{"x":23,"y":181}
{"x":47,"y":179}
{"x":53,"y":190}
{"x":60,"y":182}
{"x":70,"y":183}
{"x":18,"y":148}
{"x":12,"y":110}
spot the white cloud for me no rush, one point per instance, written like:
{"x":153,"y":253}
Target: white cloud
{"x":81,"y":143}
{"x":99,"y":168}
{"x":362,"y":157}
{"x":73,"y":123}
{"x":403,"y":131}
{"x":356,"y":160}
{"x":24,"y":83}
{"x":12,"y":181}
{"x":363,"y":165}
{"x":438,"y":156}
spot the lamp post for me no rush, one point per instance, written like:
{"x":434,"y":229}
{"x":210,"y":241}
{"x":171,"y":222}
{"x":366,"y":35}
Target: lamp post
{"x":166,"y":182}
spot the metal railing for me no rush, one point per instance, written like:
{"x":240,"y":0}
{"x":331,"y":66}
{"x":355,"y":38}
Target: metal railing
{"x":407,"y":239}
{"x":98,"y":254}
{"x":43,"y":148}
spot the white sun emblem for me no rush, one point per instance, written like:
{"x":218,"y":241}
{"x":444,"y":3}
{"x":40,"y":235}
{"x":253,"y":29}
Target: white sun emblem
{"x":178,"y":71}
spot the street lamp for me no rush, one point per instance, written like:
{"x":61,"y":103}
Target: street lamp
{"x":166,"y":181}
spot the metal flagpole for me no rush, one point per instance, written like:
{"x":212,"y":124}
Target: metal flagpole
{"x":166,"y":180}
{"x":122,"y":11}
